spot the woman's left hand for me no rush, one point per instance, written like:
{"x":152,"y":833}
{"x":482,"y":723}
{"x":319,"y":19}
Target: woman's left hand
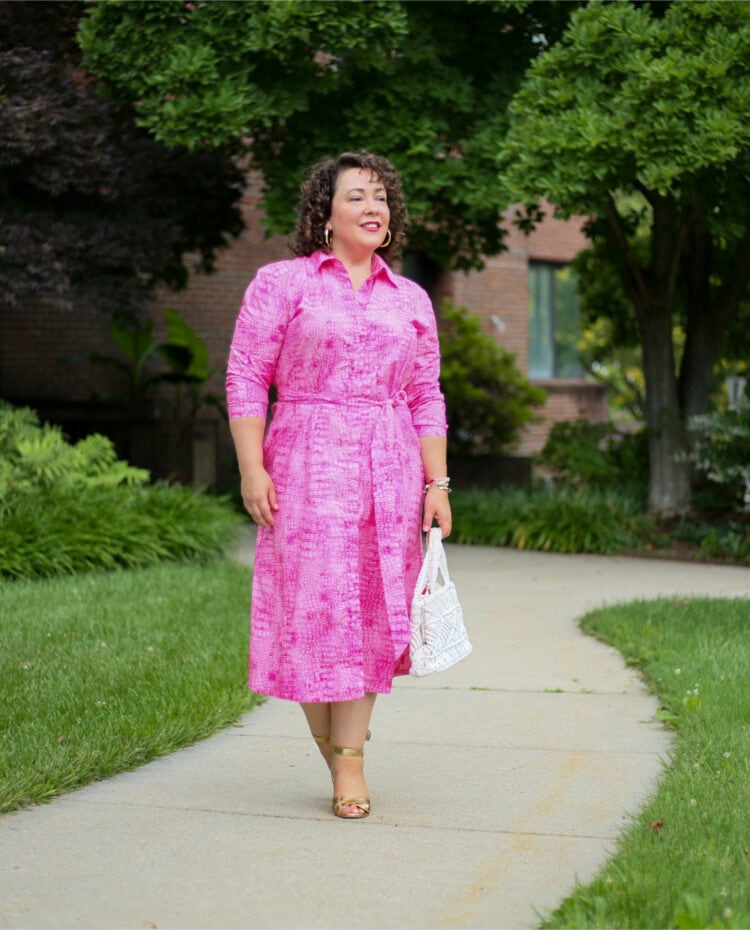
{"x":437,"y":507}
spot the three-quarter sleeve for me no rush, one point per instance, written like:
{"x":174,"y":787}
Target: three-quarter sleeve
{"x":423,"y":394}
{"x":257,"y":340}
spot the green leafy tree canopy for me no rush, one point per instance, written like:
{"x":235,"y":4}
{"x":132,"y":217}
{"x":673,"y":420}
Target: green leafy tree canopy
{"x":634,"y":100}
{"x":425,"y":84}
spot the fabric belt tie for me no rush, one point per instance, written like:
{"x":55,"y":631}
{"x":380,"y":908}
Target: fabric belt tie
{"x":399,"y":398}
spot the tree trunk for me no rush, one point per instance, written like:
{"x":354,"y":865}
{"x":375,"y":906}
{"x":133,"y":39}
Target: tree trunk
{"x":701,"y":336}
{"x":669,"y":490}
{"x":702,"y":344}
{"x":652,"y":290}
{"x":708,"y":315}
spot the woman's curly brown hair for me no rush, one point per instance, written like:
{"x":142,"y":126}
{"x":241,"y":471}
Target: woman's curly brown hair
{"x":316,"y":197}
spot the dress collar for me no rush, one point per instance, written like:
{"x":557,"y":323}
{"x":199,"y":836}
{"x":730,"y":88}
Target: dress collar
{"x":379,"y":266}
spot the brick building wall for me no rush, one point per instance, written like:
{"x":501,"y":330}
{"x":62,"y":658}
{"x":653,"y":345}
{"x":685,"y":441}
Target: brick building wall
{"x":44,"y":354}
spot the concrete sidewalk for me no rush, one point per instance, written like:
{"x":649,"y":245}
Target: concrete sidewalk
{"x":493,"y":785}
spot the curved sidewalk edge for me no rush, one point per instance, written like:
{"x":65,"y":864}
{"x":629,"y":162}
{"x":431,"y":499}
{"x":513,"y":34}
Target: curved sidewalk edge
{"x":494,"y":785}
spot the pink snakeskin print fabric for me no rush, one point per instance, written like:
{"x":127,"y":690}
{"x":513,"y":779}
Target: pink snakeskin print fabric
{"x":357,"y":379}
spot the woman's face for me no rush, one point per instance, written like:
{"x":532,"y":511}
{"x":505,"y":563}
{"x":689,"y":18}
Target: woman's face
{"x":359,"y":214}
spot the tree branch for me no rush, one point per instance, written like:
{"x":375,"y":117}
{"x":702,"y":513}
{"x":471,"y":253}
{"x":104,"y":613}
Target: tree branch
{"x":667,"y":242}
{"x":617,"y":239}
{"x":648,"y":194}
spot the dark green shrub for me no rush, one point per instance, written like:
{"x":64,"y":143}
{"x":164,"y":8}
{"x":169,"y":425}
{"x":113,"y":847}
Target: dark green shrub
{"x":726,"y":542}
{"x":720,"y":452}
{"x":488,"y":399}
{"x":581,"y":454}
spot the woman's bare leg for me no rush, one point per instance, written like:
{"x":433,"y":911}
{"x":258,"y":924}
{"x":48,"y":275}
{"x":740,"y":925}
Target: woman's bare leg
{"x":319,"y":720}
{"x":349,"y":723}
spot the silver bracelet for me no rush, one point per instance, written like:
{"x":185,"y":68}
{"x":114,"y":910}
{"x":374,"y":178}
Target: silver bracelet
{"x":442,"y":484}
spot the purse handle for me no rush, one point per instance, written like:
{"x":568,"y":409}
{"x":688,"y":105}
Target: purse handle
{"x":434,"y":562}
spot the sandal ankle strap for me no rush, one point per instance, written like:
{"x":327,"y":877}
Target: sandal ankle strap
{"x":324,"y":739}
{"x":344,"y":751}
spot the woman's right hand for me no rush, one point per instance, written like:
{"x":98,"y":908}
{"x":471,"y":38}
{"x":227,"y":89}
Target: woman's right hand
{"x":259,"y":496}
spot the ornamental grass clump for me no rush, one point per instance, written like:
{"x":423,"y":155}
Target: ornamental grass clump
{"x":555,"y":520}
{"x":121,"y":527}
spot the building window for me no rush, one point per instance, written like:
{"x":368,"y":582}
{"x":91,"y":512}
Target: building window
{"x":554,"y":323}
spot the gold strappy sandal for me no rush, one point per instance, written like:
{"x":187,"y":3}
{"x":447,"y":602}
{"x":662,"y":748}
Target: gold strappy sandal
{"x":339,"y":803}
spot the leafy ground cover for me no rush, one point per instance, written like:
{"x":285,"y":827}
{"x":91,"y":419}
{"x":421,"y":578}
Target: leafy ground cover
{"x":103,"y":671}
{"x":721,"y":536}
{"x":684,"y":861}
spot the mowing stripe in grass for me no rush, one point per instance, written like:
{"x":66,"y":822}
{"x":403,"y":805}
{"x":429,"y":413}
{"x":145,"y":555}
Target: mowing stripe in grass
{"x":101,"y":672}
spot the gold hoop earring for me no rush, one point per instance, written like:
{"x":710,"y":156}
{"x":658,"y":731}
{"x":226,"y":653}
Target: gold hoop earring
{"x":387,"y":241}
{"x":327,"y":237}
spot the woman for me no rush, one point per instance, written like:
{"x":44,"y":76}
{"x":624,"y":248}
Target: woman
{"x":354,"y":451}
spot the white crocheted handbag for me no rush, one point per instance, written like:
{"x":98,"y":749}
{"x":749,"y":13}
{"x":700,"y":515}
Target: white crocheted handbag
{"x":438,"y":635}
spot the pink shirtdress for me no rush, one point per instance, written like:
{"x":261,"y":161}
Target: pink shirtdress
{"x":357,"y":379}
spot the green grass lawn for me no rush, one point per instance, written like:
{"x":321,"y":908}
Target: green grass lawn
{"x":685,"y":859}
{"x":101,"y":672}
